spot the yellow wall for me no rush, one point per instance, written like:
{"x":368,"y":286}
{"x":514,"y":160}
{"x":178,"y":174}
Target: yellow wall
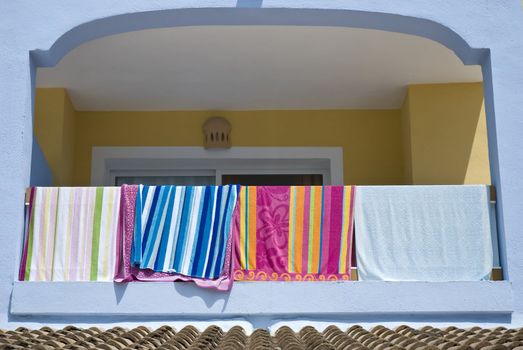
{"x":438,"y":136}
{"x":405,"y":140}
{"x":370,"y":139}
{"x":445,"y":131}
{"x":54,"y":126}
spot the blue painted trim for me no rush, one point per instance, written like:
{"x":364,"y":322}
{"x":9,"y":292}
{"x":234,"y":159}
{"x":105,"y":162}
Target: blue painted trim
{"x":40,"y":172}
{"x":488,"y":93}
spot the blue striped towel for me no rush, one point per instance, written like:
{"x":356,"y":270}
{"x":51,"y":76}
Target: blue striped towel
{"x":183,"y":229}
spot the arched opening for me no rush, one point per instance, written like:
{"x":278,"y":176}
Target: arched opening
{"x":251,"y":15}
{"x":403,"y":109}
{"x":326,"y":107}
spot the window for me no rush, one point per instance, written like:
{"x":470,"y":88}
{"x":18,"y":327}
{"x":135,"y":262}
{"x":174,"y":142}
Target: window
{"x":197,"y":166}
{"x":179,"y":180}
{"x":244,"y":179}
{"x":274,"y":179}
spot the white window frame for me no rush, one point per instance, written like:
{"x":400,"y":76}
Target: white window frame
{"x":110,"y":162}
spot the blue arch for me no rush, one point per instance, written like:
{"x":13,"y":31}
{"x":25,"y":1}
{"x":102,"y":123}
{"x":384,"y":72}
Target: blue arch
{"x":257,"y":16}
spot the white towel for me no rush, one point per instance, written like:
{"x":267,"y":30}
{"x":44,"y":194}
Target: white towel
{"x":423,"y":233}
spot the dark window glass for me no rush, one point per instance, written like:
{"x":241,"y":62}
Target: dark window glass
{"x":165,"y":180}
{"x":274,"y":180}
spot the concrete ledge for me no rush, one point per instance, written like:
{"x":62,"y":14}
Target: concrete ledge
{"x":261,"y":298}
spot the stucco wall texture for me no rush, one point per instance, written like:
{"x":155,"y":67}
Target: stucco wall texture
{"x":478,"y":31}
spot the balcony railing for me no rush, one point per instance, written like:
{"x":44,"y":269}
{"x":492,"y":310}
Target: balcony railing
{"x":259,"y":302}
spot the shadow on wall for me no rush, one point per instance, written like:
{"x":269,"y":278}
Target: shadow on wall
{"x":189,"y":290}
{"x":446,"y":134}
{"x":249,"y":3}
{"x":40,"y":172}
{"x":54,"y":128}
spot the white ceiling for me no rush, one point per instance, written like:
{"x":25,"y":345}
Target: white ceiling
{"x":251,"y":67}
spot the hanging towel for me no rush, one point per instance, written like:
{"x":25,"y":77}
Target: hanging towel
{"x":71,"y":234}
{"x":299,"y":233}
{"x":423,"y":233}
{"x":183,"y":229}
{"x":128,"y":273}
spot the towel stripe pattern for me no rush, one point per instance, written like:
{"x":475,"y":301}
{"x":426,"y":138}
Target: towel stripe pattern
{"x":71,"y":234}
{"x":183,"y":229}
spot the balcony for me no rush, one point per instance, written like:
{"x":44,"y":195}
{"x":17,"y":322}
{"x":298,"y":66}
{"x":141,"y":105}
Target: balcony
{"x":263,"y":302}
